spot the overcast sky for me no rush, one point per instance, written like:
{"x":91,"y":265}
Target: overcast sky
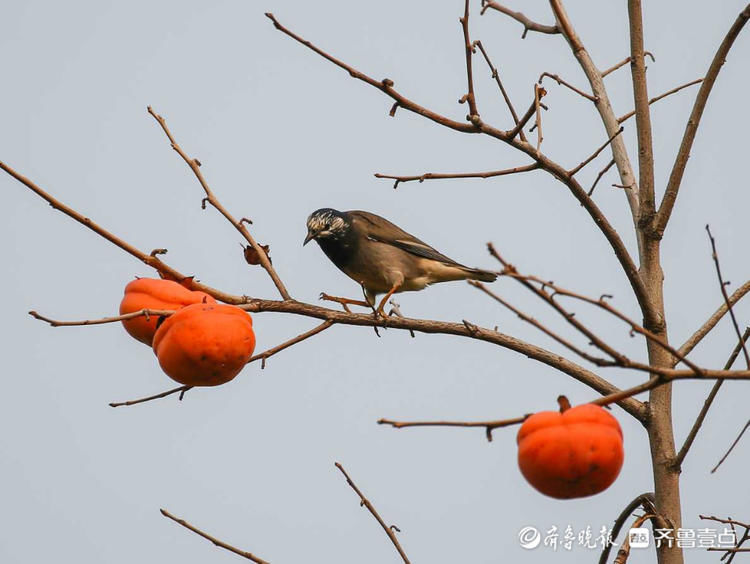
{"x":281,"y":132}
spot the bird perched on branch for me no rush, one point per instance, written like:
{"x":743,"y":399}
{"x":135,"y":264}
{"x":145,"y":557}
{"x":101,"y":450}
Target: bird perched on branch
{"x":382,"y":257}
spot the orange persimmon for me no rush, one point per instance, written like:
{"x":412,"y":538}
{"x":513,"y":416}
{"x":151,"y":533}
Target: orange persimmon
{"x":154,"y":293}
{"x":205,"y":344}
{"x":577,"y":452}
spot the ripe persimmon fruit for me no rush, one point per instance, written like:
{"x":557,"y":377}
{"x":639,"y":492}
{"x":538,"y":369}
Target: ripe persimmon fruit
{"x":577,"y":452}
{"x":154,"y":293}
{"x":205,"y":344}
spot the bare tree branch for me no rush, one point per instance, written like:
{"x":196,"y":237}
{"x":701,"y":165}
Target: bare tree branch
{"x":140,"y":313}
{"x":730,"y":553}
{"x":731,"y":448}
{"x":496,"y":76}
{"x":599,"y":176}
{"x":366,"y":503}
{"x":151,"y":260}
{"x":221,"y":544}
{"x":261,"y":356}
{"x":723,"y":286}
{"x":539,"y":92}
{"x":532,"y":321}
{"x":489,"y":426}
{"x":678,"y":170}
{"x":561,"y":82}
{"x":647,"y":207}
{"x":286,"y":344}
{"x":712,"y":321}
{"x":531,"y":283}
{"x":478,"y":126}
{"x":573,"y":171}
{"x":649,"y":308}
{"x":625,"y":62}
{"x":437,"y":175}
{"x":607,"y":114}
{"x":528,"y":25}
{"x":470,"y":97}
{"x":181,"y":390}
{"x":309,"y":310}
{"x":627,"y":116}
{"x":680,"y":458}
{"x":194,"y":165}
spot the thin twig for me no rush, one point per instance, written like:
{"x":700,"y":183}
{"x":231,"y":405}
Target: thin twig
{"x":539,"y":92}
{"x":603,"y":304}
{"x":723,"y":286}
{"x":599,"y":176}
{"x":489,"y":426}
{"x":618,"y":397}
{"x":678,"y":169}
{"x":496,"y":76}
{"x":366,"y":503}
{"x":712,"y":321}
{"x":286,"y":344}
{"x":680,"y":457}
{"x":661,"y":97}
{"x":511,"y":133}
{"x":731,"y":448}
{"x":528,"y":25}
{"x":214,"y":540}
{"x":561,"y":82}
{"x":438,"y":175}
{"x":730,"y":553}
{"x":124,"y":317}
{"x":470,"y":97}
{"x":725,"y":521}
{"x":532,"y":321}
{"x":261,"y":356}
{"x":181,"y":390}
{"x":540,"y":287}
{"x":194,"y":165}
{"x":573,"y":171}
{"x":625,"y":62}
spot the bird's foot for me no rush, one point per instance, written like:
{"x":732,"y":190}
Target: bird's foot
{"x":396,"y":311}
{"x":345,"y":302}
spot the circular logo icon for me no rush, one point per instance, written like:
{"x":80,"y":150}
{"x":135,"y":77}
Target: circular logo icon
{"x":529,"y":538}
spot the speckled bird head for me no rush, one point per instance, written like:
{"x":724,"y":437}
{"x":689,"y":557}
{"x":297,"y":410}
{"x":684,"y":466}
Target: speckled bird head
{"x":325,"y":222}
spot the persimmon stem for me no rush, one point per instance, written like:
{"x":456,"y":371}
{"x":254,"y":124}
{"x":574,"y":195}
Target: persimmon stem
{"x":564,"y":403}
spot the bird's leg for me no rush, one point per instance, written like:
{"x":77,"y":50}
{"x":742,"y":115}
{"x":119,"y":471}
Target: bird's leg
{"x":381,"y":306}
{"x":344,"y":301}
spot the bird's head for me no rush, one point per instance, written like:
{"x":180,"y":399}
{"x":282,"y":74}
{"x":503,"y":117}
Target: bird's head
{"x":324,"y":223}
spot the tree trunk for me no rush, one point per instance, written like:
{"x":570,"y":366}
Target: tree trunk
{"x":660,"y":430}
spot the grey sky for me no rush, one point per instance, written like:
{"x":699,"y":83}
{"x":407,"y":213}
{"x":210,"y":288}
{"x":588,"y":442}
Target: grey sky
{"x":281,"y":132}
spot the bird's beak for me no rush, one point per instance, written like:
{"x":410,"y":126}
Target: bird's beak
{"x":310,"y":237}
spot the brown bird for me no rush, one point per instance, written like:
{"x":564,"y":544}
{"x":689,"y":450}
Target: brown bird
{"x":382,"y":257}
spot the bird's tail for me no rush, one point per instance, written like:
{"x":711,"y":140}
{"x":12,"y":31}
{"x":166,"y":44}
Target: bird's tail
{"x":479,"y":274}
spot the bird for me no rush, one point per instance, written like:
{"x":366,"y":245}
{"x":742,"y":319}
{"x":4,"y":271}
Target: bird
{"x":382,"y":257}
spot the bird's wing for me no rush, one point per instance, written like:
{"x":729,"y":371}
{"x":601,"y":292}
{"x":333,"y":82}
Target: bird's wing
{"x":379,"y":229}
